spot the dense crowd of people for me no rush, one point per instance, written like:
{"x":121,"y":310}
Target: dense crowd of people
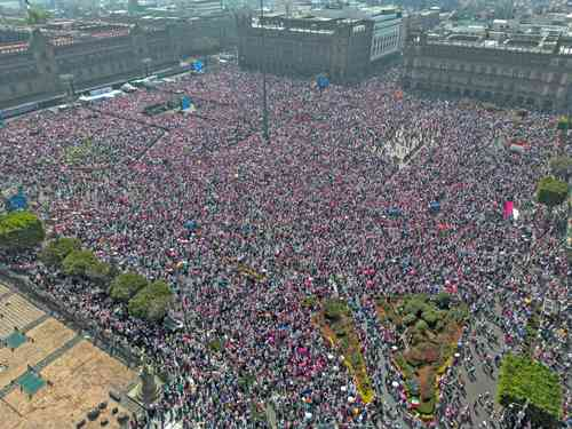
{"x":343,"y":188}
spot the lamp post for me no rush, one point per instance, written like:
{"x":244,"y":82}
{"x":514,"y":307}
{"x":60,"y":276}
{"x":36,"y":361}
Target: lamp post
{"x":265,"y":132}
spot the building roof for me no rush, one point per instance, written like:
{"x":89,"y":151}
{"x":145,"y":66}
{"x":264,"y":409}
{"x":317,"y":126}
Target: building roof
{"x":355,"y":13}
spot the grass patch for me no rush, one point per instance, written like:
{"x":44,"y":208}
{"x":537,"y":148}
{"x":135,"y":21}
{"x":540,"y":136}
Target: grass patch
{"x":336,"y":323}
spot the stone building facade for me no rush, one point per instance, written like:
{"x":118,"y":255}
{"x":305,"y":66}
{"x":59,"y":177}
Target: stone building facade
{"x":504,"y":73}
{"x":305,"y":47}
{"x":343,"y":44}
{"x":36,"y":68}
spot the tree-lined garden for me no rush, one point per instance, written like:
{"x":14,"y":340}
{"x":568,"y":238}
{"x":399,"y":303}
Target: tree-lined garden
{"x":430,"y":328}
{"x":145,"y":300}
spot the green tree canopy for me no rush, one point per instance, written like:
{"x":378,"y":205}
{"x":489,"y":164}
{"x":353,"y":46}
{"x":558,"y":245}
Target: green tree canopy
{"x":334,"y":309}
{"x":523,"y":379}
{"x":561,"y":167}
{"x":431,"y":317}
{"x":443,"y":300}
{"x":415,"y":305}
{"x":20,"y":230}
{"x":84,"y":263}
{"x":125,"y":286}
{"x":151,"y":302}
{"x":56,"y":250}
{"x":563,"y":123}
{"x":37,"y":15}
{"x":551,"y":192}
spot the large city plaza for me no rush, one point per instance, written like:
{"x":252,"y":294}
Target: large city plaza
{"x":286,"y":256}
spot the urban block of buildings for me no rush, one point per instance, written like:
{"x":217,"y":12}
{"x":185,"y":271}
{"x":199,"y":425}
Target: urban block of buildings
{"x":529,"y":70}
{"x":42,"y":62}
{"x":342,"y":43}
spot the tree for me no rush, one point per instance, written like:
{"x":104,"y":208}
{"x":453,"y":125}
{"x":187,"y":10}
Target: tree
{"x":20,"y":231}
{"x":409,"y":319}
{"x":443,"y":300}
{"x":84,"y":263}
{"x":561,"y":167}
{"x":56,"y":250}
{"x":421,"y":326}
{"x":415,"y":305}
{"x":563,"y":123}
{"x":431,"y":317}
{"x":151,"y":302}
{"x":523,"y":379}
{"x":551,"y":192}
{"x":99,"y":272}
{"x":37,"y":15}
{"x":125,"y":286}
{"x":334,"y":309}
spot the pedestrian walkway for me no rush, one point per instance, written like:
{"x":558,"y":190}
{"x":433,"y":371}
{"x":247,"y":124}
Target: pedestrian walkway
{"x":38,"y":367}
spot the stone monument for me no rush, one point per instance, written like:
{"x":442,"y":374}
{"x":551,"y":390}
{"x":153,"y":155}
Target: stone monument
{"x":147,"y":391}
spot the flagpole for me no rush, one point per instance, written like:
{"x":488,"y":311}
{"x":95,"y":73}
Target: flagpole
{"x":265,"y":132}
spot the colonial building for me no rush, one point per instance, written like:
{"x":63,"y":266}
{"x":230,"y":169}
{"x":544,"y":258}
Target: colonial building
{"x":343,"y":43}
{"x":523,"y":70}
{"x":90,"y":54}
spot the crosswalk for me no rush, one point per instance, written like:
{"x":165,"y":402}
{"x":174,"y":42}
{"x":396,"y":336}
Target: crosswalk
{"x":16,"y":312}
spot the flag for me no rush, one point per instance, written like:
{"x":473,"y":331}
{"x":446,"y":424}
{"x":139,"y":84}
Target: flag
{"x":508,"y":209}
{"x":28,"y":5}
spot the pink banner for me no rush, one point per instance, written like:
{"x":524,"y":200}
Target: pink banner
{"x":508,"y":208}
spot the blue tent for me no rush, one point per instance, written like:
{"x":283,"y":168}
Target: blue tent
{"x":186,"y":103}
{"x":434,"y":206}
{"x":191,"y":225}
{"x":323,"y":82}
{"x":198,"y":66}
{"x":394,"y":211}
{"x":17,"y":202}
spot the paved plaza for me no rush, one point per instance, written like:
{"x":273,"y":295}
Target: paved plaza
{"x":68,"y":375}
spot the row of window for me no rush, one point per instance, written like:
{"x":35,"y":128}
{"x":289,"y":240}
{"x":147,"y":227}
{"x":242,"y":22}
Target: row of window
{"x":21,"y":88}
{"x":383,"y":44}
{"x":497,"y":71}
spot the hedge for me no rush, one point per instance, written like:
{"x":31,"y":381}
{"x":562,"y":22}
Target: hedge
{"x":523,"y":379}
